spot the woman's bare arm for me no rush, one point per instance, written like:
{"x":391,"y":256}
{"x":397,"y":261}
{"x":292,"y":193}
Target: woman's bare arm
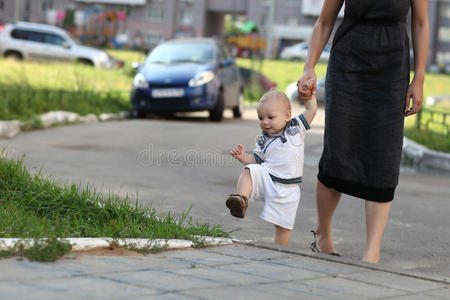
{"x":319,"y":37}
{"x":322,"y":31}
{"x":420,"y":30}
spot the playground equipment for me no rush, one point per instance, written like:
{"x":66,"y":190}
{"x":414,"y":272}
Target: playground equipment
{"x":102,"y":28}
{"x":248,"y":43}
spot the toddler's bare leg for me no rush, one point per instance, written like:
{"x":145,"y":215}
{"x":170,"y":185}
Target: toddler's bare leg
{"x":282,"y":235}
{"x":326,"y":200}
{"x":244,"y":185}
{"x":238,"y":203}
{"x":377,"y":215}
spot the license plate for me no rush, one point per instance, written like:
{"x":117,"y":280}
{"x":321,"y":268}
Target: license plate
{"x":167,"y":93}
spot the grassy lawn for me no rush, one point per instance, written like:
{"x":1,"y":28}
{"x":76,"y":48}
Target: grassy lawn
{"x":280,"y":71}
{"x":32,"y":206}
{"x":29,"y":88}
{"x":128,"y":56}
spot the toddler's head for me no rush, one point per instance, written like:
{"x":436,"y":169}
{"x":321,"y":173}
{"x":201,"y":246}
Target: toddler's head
{"x":274,"y":111}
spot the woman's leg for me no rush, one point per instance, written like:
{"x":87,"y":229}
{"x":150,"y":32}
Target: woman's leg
{"x":282,"y":235}
{"x":377,"y":214}
{"x":244,"y":185}
{"x":326,"y":200}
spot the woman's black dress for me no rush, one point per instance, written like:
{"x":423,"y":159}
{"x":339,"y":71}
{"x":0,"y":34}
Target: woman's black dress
{"x":365,"y":92}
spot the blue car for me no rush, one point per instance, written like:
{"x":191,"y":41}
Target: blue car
{"x":190,"y":74}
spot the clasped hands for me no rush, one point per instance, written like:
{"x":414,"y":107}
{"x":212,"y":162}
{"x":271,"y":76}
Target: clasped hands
{"x":306,"y":87}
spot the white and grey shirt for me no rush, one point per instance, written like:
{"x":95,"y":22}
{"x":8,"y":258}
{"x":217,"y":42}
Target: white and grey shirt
{"x":282,"y":154}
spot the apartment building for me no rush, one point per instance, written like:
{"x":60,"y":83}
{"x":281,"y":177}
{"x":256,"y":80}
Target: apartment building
{"x":148,"y":22}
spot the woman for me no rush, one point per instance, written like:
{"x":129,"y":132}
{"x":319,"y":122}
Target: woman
{"x":368,"y":95}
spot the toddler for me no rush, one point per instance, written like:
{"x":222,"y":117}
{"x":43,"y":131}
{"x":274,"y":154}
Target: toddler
{"x":274,"y":170}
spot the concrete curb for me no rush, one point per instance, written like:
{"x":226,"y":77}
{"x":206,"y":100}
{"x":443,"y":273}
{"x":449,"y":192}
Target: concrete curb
{"x":347,"y":261}
{"x":422,"y":159}
{"x":9,"y":129}
{"x":84,"y":244}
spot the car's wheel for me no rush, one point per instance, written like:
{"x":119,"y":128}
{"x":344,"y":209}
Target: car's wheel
{"x":140,"y":114}
{"x":216,"y":114}
{"x":166,"y":115}
{"x":14,"y":55}
{"x":85,"y":61}
{"x":239,"y":109}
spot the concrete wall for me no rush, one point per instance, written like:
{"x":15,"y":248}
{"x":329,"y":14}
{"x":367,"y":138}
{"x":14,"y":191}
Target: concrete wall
{"x":7,"y":12}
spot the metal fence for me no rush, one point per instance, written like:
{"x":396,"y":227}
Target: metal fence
{"x":433,"y":120}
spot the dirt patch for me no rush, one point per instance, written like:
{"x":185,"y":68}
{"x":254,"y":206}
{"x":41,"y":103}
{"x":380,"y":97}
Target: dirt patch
{"x":81,"y":147}
{"x":107,"y":251}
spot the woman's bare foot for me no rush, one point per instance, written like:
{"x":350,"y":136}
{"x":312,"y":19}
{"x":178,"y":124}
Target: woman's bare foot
{"x":373,"y":258}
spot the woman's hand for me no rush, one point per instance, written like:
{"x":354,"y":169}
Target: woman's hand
{"x":415,"y":93}
{"x":306,"y":85}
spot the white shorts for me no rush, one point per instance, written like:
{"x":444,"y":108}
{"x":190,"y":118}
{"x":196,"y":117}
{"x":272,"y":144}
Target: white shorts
{"x":280,"y":200}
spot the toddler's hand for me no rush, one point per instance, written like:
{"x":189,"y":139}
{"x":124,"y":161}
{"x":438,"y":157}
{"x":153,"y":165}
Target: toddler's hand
{"x":306,"y":85}
{"x":238,"y":151}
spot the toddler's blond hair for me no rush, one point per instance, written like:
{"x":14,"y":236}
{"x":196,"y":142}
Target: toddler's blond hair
{"x":274,"y":93}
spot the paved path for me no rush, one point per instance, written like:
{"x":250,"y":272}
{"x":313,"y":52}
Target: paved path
{"x":185,"y":162}
{"x":227,"y":272}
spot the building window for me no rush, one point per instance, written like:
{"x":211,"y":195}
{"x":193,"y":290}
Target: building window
{"x":442,"y":57}
{"x":264,"y":21}
{"x":444,"y":34}
{"x":292,"y":21}
{"x":186,"y":17}
{"x":156,"y":11}
{"x":154,"y":38}
{"x":445,"y":10}
{"x":2,"y":4}
{"x":294,"y":3}
{"x":27,"y":5}
{"x":46,"y":5}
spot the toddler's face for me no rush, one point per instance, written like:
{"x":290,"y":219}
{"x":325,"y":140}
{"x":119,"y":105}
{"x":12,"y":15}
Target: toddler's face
{"x":273,"y":116}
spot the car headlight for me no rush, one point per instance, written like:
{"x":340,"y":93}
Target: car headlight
{"x":140,"y":81}
{"x":201,"y":78}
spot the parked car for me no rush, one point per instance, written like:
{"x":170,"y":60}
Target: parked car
{"x":263,"y":82}
{"x":291,"y":91}
{"x":189,"y":74}
{"x":300,"y":52}
{"x":24,"y":40}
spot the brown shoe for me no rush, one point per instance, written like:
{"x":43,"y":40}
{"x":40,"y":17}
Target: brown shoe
{"x":237,"y":204}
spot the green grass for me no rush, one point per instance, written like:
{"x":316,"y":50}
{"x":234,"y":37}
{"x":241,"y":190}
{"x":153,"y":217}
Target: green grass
{"x":62,"y":76}
{"x":45,"y":250}
{"x":29,"y":88}
{"x":431,"y":140}
{"x":128,"y":56}
{"x":32,"y":206}
{"x":280,"y":71}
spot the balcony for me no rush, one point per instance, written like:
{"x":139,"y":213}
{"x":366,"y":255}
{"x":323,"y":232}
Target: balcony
{"x":116,"y":2}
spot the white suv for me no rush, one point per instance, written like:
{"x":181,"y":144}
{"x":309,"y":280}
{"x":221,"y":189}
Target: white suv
{"x":24,"y":40}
